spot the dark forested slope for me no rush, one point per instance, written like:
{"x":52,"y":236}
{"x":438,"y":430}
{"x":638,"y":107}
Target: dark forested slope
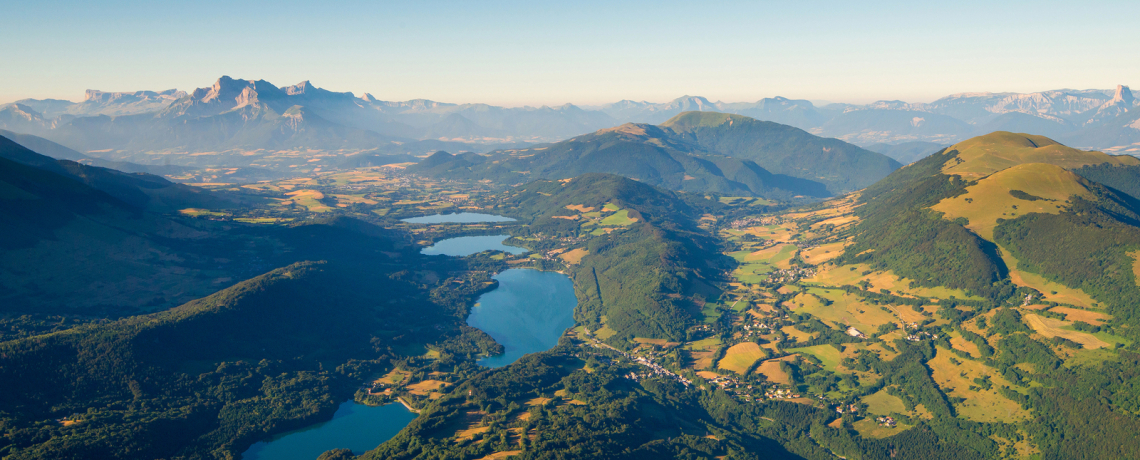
{"x":783,"y":149}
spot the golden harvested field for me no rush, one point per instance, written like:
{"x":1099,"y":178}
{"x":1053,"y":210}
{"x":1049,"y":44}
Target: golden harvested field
{"x":837,"y":222}
{"x":426,"y":386}
{"x":869,"y":429}
{"x":469,"y":433}
{"x":345,"y":200}
{"x":824,"y":252}
{"x":501,"y":455}
{"x":981,"y":405}
{"x":308,"y":199}
{"x":907,"y":314}
{"x":579,"y":207}
{"x":1076,"y":314}
{"x":962,"y":344}
{"x":799,"y":335}
{"x":886,"y":280}
{"x":777,"y":233}
{"x":989,"y":199}
{"x":702,"y":359}
{"x":574,"y":256}
{"x":827,"y":354}
{"x":771,"y":370}
{"x":740,"y":356}
{"x":847,"y":310}
{"x":883,"y":403}
{"x":396,"y":376}
{"x":605,"y":332}
{"x":197,"y":212}
{"x":1050,"y":327}
{"x":707,"y":375}
{"x":837,"y":207}
{"x":708,"y":344}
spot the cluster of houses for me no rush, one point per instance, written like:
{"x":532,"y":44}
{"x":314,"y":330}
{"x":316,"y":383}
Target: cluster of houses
{"x":376,"y":389}
{"x":790,"y":275}
{"x":654,"y":368}
{"x":917,"y":336}
{"x":888,"y":422}
{"x":661,"y":371}
{"x":847,"y":409}
{"x":754,"y":221}
{"x":734,"y":387}
{"x":781,"y":394}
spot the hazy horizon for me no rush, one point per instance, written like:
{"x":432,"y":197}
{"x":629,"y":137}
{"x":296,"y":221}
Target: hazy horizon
{"x":587,"y":54}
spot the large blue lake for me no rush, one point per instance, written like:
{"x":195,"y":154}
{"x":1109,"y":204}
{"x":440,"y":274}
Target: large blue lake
{"x":457,"y":218}
{"x":467,"y":245}
{"x":527,"y":313}
{"x":354,"y":426}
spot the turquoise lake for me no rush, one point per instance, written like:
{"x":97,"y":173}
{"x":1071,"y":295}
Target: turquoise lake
{"x":354,"y":426}
{"x":527,"y":313}
{"x":467,"y":245}
{"x":457,"y":218}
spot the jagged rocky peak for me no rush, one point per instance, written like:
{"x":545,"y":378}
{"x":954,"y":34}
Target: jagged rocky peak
{"x":242,"y":92}
{"x":299,"y":88}
{"x":1123,"y":94}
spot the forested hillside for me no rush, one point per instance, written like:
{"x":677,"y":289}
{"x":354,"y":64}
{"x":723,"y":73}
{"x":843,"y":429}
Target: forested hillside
{"x":647,"y":268}
{"x":699,"y":152}
{"x":208,"y":378}
{"x":782,"y":149}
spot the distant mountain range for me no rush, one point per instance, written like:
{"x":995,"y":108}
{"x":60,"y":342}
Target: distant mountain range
{"x":244,"y":115}
{"x":699,"y":152}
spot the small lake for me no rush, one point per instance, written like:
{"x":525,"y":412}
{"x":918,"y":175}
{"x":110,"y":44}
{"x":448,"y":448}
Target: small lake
{"x":354,"y":426}
{"x":467,"y":245}
{"x":457,"y":218}
{"x":527,"y":313}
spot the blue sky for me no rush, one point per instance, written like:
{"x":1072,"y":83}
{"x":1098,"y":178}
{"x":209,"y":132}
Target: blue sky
{"x":583,"y":52}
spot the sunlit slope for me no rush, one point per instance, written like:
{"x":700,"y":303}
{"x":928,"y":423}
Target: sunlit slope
{"x":1012,"y":192}
{"x":984,"y":155}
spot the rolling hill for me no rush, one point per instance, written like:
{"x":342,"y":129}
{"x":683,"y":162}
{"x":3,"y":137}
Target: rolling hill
{"x":782,"y":149}
{"x":698,"y":152}
{"x":946,"y":219}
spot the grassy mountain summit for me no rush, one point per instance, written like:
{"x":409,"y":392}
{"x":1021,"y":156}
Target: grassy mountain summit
{"x":949,"y":219}
{"x":985,"y":155}
{"x":782,"y":149}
